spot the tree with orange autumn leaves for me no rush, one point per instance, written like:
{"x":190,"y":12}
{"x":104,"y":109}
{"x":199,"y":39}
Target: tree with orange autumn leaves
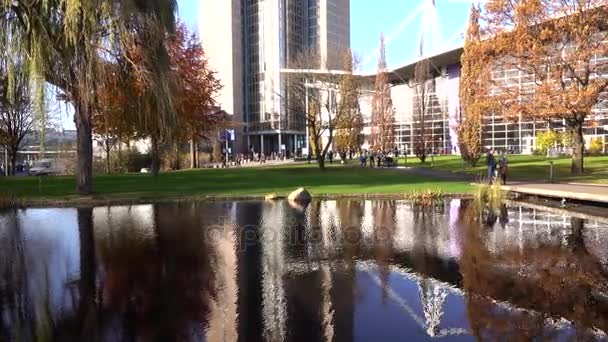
{"x":383,"y":111}
{"x":193,"y":86}
{"x":196,"y":87}
{"x":473,"y":89}
{"x":558,"y":47}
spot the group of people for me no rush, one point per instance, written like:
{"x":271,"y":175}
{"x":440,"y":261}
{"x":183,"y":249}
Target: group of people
{"x":374,"y":159}
{"x":497,"y":169}
{"x":245,"y":158}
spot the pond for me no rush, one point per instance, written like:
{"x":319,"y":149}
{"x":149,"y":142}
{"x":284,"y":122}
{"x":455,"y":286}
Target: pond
{"x":343,"y":270}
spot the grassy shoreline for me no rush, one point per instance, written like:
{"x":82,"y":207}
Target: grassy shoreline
{"x":336,"y":181}
{"x":85,"y":202}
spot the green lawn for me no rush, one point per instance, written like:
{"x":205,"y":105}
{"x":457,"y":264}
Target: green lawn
{"x":335,"y":180}
{"x":526,"y":167}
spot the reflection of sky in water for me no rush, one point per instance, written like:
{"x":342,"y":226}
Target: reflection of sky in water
{"x":398,"y":310}
{"x":51,"y":254}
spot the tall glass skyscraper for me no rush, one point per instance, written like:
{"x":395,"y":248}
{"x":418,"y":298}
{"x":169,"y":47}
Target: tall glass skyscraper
{"x":249,"y":42}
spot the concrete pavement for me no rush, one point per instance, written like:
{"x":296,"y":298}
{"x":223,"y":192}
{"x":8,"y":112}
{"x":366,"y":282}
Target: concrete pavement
{"x":581,"y":192}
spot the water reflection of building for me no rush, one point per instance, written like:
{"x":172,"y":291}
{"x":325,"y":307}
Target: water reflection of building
{"x":273,"y":271}
{"x":255,"y":271}
{"x":223,"y":319}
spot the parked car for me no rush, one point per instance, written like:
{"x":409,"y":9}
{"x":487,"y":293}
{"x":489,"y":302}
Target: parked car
{"x":44,"y":167}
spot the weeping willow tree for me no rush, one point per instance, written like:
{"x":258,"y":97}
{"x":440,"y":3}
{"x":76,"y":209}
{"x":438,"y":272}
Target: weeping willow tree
{"x":68,"y":43}
{"x":16,"y":116}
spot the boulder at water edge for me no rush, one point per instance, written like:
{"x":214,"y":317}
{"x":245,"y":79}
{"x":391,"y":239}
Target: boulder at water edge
{"x":300,"y":195}
{"x":272,"y":197}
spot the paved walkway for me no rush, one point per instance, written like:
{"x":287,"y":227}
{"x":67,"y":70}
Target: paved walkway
{"x":254,"y":164}
{"x":437,"y":174}
{"x":581,"y":192}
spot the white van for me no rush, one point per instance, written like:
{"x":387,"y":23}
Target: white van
{"x":44,"y":167}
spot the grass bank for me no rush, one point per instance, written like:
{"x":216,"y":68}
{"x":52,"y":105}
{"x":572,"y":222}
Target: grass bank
{"x":335,"y":181}
{"x":525,"y":168}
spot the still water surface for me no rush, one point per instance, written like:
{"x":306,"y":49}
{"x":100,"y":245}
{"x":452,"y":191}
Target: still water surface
{"x":270,"y":271}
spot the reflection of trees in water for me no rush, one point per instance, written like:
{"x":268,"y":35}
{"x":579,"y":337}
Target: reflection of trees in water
{"x":87,"y":306}
{"x":426,"y":237}
{"x":16,"y":314}
{"x":162,"y":278}
{"x":384,"y":233}
{"x":29,"y":305}
{"x":159,"y":285}
{"x":426,"y":233}
{"x":327,"y":309}
{"x":350,"y":214}
{"x":563,"y":280}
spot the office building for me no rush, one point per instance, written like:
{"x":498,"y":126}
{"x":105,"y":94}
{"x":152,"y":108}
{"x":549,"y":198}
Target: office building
{"x":250,"y":42}
{"x":444,"y":113}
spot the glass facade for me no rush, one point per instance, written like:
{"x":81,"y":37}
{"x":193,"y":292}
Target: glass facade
{"x":516,"y":135}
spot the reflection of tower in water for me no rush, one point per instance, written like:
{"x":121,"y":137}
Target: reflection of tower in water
{"x":432,"y":297}
{"x":274,"y":308}
{"x":223,"y":317}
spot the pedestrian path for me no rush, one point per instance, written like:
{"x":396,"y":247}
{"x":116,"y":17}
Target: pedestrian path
{"x":437,"y":174}
{"x":267,"y":163}
{"x":581,"y":192}
{"x":568,"y":191}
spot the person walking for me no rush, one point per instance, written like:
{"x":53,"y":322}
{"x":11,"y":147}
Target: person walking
{"x":491,"y":164}
{"x":503,"y":168}
{"x":331,"y":156}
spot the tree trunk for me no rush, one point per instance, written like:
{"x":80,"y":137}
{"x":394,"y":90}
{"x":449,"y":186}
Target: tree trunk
{"x":577,"y":242}
{"x":84,"y":151}
{"x":119,"y":163}
{"x":325,"y":149}
{"x":86,"y":284}
{"x":177,"y":163}
{"x":319,"y":154}
{"x":193,"y":163}
{"x":578,"y":149}
{"x":108,"y":171}
{"x":321,"y":161}
{"x":13,"y":160}
{"x":155,"y":157}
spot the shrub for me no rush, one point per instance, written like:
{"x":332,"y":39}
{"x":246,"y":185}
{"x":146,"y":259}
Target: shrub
{"x":549,"y":139}
{"x":175,"y":160}
{"x":596,"y":146}
{"x":217,"y":152}
{"x":425,"y":197}
{"x":66,"y":163}
{"x":546,"y":140}
{"x":130,"y":160}
{"x":537,"y":152}
{"x":490,"y":195}
{"x":99,"y":166}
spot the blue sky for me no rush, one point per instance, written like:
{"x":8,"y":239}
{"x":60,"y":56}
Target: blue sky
{"x":371,"y":17}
